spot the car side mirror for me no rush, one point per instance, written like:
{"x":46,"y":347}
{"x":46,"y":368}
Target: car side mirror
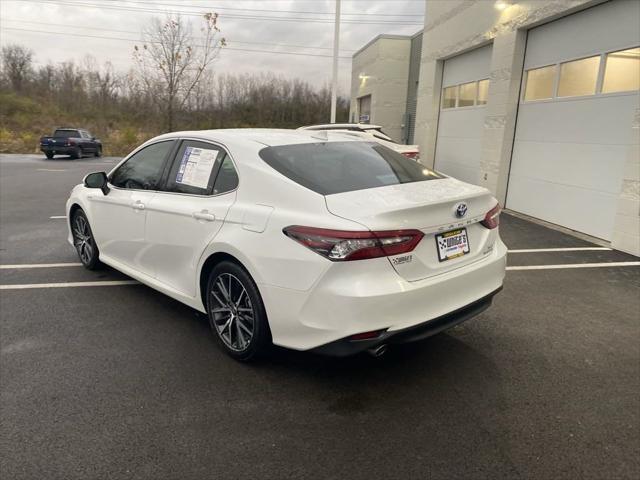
{"x":97,"y":180}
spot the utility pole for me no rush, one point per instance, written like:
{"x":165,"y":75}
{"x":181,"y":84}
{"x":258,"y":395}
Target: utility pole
{"x":336,"y":48}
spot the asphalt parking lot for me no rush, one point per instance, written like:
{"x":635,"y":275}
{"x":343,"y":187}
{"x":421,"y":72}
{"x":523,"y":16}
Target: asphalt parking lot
{"x":123,"y":382}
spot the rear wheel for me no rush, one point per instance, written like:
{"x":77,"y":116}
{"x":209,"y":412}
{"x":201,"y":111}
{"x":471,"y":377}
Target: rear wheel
{"x":83,"y":240}
{"x":49,"y":155}
{"x":77,"y":153}
{"x":236,"y":313}
{"x":98,"y":152}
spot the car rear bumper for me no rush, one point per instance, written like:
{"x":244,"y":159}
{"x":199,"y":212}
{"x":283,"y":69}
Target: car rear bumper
{"x":57,"y":150}
{"x":357,"y":297}
{"x":347,"y":346}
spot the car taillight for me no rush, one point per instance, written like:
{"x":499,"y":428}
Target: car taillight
{"x":344,"y":245}
{"x":71,"y":143}
{"x":412,"y":155}
{"x":492,"y":218}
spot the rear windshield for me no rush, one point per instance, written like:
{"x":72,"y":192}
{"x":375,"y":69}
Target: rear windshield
{"x":337,"y":167}
{"x":66,"y":133}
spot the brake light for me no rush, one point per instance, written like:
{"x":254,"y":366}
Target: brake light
{"x":412,"y":155}
{"x":492,"y":218}
{"x":71,"y":143}
{"x":344,"y":245}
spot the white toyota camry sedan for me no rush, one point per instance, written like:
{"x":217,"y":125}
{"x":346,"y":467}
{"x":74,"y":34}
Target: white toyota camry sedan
{"x":307,"y":240}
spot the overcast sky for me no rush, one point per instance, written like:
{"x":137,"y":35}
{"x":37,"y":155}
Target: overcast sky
{"x":304,"y":26}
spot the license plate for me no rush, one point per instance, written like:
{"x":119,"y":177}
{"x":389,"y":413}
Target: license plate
{"x":452,"y":244}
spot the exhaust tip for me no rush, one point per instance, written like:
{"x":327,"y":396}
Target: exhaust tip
{"x":378,"y":351}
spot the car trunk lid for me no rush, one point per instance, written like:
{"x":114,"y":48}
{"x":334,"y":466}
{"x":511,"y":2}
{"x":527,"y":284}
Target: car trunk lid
{"x":428,"y":206}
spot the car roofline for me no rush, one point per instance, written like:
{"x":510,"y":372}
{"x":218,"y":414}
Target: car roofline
{"x":264,"y":137}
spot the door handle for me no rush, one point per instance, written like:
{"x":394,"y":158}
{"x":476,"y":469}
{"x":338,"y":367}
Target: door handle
{"x":137,"y":205}
{"x":204,"y":215}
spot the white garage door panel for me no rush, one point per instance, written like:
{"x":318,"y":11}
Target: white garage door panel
{"x":461,"y":123}
{"x":458,"y":158}
{"x":583,"y":210}
{"x":604,"y":27}
{"x":603,"y":120}
{"x":459,"y":143}
{"x":460,"y":130}
{"x":592,"y":167}
{"x":473,"y":65}
{"x":569,"y":154}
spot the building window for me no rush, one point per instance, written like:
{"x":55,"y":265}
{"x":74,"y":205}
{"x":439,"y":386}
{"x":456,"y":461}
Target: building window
{"x":622,"y":71}
{"x":467,"y":94}
{"x":449,"y":97}
{"x":540,"y":83}
{"x":483,"y":92}
{"x":579,"y":77}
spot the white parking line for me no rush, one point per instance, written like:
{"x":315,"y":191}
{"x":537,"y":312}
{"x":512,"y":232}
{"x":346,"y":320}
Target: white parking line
{"x":58,"y":216}
{"x":569,"y":249}
{"x":574,"y":265}
{"x":112,"y":283}
{"x":39,"y":265}
{"x":49,"y":170}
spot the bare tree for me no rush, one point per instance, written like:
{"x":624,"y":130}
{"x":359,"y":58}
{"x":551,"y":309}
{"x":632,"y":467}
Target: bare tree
{"x":17,"y":65}
{"x":171,"y":64}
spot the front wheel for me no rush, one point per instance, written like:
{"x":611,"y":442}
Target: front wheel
{"x":236,"y":313}
{"x":83,"y":240}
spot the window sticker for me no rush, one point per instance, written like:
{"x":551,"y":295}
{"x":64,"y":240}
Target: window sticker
{"x":195,"y":167}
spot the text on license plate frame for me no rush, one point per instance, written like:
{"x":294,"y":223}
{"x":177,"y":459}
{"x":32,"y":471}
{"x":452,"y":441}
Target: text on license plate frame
{"x":442,"y":254}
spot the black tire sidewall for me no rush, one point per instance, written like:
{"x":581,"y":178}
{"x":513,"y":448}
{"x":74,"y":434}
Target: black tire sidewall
{"x":261,"y":339}
{"x":95,"y":262}
{"x":99,"y":152}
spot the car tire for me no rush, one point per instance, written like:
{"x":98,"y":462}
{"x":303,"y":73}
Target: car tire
{"x":83,"y":241}
{"x":236,"y":312}
{"x":49,"y":155}
{"x":77,"y":153}
{"x":98,"y":152}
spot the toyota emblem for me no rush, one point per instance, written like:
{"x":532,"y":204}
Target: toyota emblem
{"x":461,"y":210}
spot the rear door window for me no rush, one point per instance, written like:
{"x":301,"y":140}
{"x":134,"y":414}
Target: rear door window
{"x":197,"y":167}
{"x":337,"y":167}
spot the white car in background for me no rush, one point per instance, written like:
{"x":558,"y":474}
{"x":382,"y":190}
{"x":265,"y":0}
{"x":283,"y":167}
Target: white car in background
{"x":365,"y":131}
{"x":335,"y":246}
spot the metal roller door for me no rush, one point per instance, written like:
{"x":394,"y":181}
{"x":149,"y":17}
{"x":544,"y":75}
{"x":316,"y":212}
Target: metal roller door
{"x":578,"y":103}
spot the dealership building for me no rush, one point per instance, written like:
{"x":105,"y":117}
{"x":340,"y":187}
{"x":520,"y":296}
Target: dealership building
{"x":537,"y":100}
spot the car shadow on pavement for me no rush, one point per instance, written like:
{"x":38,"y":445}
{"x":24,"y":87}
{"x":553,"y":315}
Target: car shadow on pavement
{"x":442,"y":355}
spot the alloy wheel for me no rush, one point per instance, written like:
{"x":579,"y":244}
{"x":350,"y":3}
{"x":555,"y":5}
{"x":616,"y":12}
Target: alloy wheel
{"x":231,"y":312}
{"x":82,"y":239}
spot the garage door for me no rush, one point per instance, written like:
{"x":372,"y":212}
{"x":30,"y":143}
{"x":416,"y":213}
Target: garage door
{"x":579,"y":98}
{"x":465,"y":84}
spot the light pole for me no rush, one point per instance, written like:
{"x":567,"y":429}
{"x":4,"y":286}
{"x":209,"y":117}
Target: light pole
{"x":334,"y":82}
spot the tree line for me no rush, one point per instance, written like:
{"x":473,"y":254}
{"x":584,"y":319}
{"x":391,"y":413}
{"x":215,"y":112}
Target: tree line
{"x":178,"y":90}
